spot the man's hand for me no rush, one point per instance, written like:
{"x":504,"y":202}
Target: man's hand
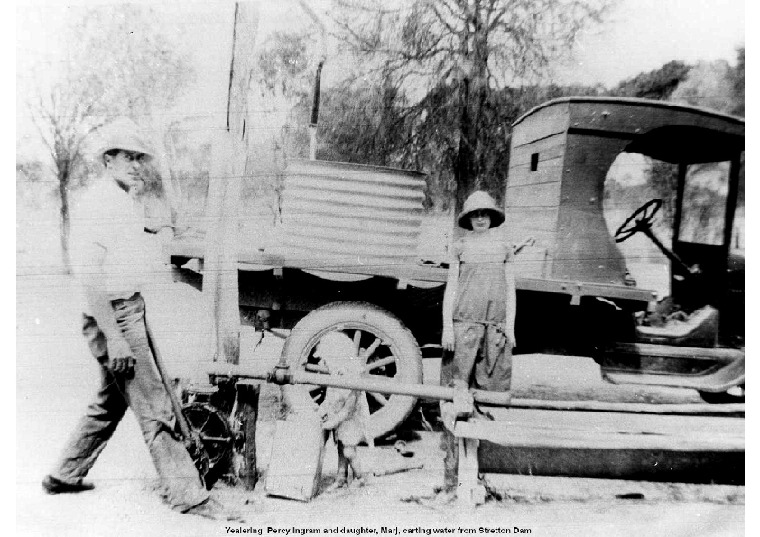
{"x":447,"y":339}
{"x":120,"y":359}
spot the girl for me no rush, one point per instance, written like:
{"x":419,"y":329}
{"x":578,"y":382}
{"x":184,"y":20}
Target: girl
{"x":478,"y":312}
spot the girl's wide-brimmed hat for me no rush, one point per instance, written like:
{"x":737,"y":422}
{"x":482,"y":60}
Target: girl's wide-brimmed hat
{"x":480,"y":201}
{"x":122,"y":134}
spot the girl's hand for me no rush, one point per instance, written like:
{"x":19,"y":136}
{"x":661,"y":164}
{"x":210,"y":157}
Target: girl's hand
{"x":329,"y":424}
{"x":447,"y":339}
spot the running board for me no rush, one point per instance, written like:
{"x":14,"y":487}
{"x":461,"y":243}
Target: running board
{"x":666,"y":360}
{"x":712,"y":354}
{"x":721,"y":380}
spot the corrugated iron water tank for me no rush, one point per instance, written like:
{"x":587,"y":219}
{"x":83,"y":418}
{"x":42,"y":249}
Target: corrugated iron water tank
{"x":335,"y":213}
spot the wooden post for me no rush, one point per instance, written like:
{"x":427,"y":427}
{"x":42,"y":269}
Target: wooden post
{"x":469,"y":492}
{"x":230,"y":163}
{"x":248,"y":411}
{"x":220,"y":284}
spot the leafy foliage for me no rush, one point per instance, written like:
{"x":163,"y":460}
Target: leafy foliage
{"x":282,"y":65}
{"x":657,"y":84}
{"x":739,"y":83}
{"x":708,"y":84}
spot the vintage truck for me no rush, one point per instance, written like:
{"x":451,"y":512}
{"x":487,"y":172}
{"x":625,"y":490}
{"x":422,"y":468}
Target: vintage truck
{"x":655,"y":294}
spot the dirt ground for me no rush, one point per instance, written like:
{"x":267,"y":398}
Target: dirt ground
{"x":55,"y":378}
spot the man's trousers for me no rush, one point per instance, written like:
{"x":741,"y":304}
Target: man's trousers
{"x":145,"y":394}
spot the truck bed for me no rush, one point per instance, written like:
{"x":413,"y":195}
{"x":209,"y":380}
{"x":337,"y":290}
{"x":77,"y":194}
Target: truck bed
{"x":407,"y":272}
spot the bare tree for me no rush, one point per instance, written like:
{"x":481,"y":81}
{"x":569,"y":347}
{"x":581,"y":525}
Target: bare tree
{"x":118,"y":63}
{"x":474,"y":46}
{"x":60,"y":117}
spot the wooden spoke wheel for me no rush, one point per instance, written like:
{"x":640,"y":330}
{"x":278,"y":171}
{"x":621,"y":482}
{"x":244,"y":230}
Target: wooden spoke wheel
{"x":383,"y":345}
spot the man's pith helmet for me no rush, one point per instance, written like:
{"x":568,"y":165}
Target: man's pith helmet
{"x":480,"y":201}
{"x":123,"y":134}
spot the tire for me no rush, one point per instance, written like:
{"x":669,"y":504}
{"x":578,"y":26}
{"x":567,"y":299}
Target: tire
{"x":721,"y":398}
{"x":395,"y":350}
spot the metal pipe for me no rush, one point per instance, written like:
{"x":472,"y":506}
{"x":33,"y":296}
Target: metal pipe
{"x":374,"y":384}
{"x":314,"y":123}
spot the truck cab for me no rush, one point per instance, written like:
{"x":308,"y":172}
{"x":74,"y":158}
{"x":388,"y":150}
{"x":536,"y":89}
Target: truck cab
{"x":637,"y":209}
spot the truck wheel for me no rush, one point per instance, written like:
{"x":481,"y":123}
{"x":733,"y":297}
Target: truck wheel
{"x":380,"y":340}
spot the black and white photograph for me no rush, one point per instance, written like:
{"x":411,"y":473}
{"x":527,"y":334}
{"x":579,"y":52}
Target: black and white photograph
{"x":380,"y":268}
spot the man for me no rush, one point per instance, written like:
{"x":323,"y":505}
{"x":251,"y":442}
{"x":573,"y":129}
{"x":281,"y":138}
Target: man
{"x":111,"y":260}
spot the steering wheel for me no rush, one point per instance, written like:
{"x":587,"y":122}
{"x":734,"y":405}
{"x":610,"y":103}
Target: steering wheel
{"x":640,"y":220}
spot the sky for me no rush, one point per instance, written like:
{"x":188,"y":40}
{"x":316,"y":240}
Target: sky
{"x":640,"y":35}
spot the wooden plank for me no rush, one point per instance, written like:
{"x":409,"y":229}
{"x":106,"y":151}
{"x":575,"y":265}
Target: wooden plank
{"x":469,"y":491}
{"x":548,"y":149}
{"x":591,"y":439}
{"x":331,"y":251}
{"x":295,"y":466}
{"x":578,"y":289}
{"x":532,"y":222}
{"x":548,"y":171}
{"x":626,"y":423}
{"x":696,"y":409}
{"x":544,"y":195}
{"x":613,"y":430}
{"x":411,"y":270}
{"x":248,"y":410}
{"x":709,"y":467}
{"x":544,"y":122}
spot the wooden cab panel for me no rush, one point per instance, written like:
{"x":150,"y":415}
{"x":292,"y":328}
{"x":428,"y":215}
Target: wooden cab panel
{"x":561,"y":152}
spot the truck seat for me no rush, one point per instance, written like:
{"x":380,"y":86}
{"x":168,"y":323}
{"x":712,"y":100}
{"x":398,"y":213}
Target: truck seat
{"x":700,"y":329}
